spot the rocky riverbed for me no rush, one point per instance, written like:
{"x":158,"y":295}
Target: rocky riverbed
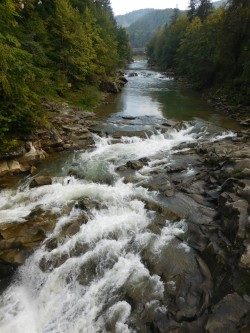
{"x":206,"y":184}
{"x":215,"y":197}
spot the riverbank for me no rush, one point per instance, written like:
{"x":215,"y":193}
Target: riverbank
{"x":221,"y":99}
{"x":65,"y":128}
{"x":68,"y":128}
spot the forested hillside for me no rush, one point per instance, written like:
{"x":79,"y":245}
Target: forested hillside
{"x":211,"y":47}
{"x":53,"y":48}
{"x":129,"y":18}
{"x":141,"y":31}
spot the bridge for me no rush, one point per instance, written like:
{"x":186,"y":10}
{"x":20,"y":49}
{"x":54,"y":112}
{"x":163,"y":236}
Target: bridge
{"x":139,"y":51}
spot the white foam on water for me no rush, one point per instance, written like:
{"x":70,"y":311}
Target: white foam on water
{"x":81,"y":286}
{"x":223,"y":135}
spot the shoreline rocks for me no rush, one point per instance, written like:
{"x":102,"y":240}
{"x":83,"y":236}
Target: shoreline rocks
{"x":215,"y":201}
{"x":69,"y":129}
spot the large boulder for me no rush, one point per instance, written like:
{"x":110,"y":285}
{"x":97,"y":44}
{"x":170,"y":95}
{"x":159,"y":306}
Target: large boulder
{"x":110,"y":87}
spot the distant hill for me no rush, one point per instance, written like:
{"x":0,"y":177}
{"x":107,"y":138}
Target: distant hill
{"x":129,"y":18}
{"x":142,"y":30}
{"x":219,"y":3}
{"x":142,"y":24}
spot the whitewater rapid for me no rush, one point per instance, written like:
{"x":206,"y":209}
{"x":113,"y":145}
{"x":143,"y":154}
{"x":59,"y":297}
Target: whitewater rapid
{"x":86,"y":283}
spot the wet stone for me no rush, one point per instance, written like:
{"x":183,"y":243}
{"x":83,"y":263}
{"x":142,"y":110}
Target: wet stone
{"x":160,"y":183}
{"x":87,"y":204}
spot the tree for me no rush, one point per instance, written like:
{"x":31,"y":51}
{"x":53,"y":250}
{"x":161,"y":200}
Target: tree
{"x":168,"y":42}
{"x":46,"y":44}
{"x":204,"y":9}
{"x":176,"y":15}
{"x":200,"y":8}
{"x":17,"y":98}
{"x":193,"y":5}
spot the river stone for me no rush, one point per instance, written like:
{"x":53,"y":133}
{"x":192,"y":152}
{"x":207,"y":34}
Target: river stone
{"x":227,"y":314}
{"x":110,"y":87}
{"x":245,"y":258}
{"x":163,"y":323}
{"x":128,"y":117}
{"x":16,"y":167}
{"x":193,"y":211}
{"x":13,"y":256}
{"x":33,"y":170}
{"x":245,"y":173}
{"x":41,"y":181}
{"x":4,"y":168}
{"x":73,"y":229}
{"x":159,"y":183}
{"x":178,"y":265}
{"x":132,"y":74}
{"x":22,"y":233}
{"x":48,"y":263}
{"x":134,"y":165}
{"x":88,"y":204}
{"x":234,"y":212}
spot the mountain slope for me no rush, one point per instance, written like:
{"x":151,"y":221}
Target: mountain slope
{"x":129,"y":18}
{"x":142,"y":30}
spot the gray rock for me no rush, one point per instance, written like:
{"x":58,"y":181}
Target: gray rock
{"x":160,"y":183}
{"x":110,"y":87}
{"x":87,"y":204}
{"x":227,"y":314}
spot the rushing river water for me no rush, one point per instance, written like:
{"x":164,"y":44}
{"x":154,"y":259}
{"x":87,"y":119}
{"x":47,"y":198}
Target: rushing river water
{"x":104,"y":278}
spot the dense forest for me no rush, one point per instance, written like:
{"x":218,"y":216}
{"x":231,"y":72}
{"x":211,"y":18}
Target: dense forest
{"x":211,"y":47}
{"x":50,"y":49}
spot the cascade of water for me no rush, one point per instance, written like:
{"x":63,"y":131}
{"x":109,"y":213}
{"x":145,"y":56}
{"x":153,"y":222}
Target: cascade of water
{"x":87,"y":283}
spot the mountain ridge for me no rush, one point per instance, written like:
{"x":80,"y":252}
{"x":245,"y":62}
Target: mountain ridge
{"x":127,"y":19}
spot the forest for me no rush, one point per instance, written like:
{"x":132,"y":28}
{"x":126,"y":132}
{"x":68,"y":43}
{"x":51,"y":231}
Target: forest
{"x":53,"y":49}
{"x":210,"y":47}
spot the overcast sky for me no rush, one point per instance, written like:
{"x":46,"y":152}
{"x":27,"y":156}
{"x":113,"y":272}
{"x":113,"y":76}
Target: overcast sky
{"x":125,"y":6}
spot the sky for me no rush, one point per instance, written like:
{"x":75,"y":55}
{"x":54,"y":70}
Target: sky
{"x":121,"y":7}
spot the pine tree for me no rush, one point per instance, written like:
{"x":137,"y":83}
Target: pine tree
{"x":204,"y":9}
{"x":200,"y":8}
{"x":193,"y":5}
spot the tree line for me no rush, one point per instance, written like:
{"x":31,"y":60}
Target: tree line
{"x":210,"y":47}
{"x":48,"y":47}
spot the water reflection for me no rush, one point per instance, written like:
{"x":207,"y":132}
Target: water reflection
{"x":151,"y":94}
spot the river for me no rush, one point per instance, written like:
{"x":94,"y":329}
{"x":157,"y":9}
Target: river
{"x":108,"y":276}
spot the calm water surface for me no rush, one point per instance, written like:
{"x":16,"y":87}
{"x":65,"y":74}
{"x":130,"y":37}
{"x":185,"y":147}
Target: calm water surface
{"x":151,"y":95}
